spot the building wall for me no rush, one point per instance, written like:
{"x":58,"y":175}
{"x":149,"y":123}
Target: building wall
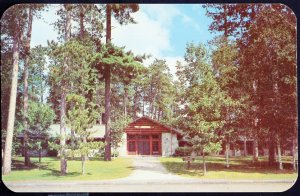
{"x":168,"y":149}
{"x":123,"y":146}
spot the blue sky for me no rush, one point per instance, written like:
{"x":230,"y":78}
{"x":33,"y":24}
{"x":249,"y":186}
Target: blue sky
{"x":162,"y":30}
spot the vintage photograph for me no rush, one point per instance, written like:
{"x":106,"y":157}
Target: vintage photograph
{"x":149,"y":98}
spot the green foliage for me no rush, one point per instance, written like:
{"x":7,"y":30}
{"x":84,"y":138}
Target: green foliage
{"x":82,"y":115}
{"x":204,"y":101}
{"x":40,"y":117}
{"x":183,"y":151}
{"x":117,"y":130}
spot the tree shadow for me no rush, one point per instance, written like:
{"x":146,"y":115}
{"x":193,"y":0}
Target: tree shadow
{"x":19,"y":165}
{"x":56,"y":173}
{"x":218,"y":165}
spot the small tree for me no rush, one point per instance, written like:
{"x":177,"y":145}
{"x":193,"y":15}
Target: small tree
{"x":40,"y":117}
{"x":81,"y":117}
{"x":204,"y":100}
{"x":117,"y":131}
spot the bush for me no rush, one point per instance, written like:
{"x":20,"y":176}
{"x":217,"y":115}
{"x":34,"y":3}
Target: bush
{"x":52,"y":153}
{"x":183,"y":151}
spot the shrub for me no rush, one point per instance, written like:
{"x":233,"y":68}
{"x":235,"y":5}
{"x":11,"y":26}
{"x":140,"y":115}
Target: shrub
{"x":183,"y":151}
{"x":52,"y":153}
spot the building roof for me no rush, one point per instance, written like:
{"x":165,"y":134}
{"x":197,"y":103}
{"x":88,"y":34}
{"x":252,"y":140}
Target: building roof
{"x":167,"y":128}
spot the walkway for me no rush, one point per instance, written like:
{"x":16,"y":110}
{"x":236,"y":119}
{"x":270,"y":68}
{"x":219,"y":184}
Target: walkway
{"x":150,"y":170}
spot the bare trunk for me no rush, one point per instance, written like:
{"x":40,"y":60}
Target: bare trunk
{"x":271,"y":152}
{"x":227,"y":154}
{"x":40,"y":155}
{"x":154,"y":113}
{"x":107,"y":89}
{"x":135,"y":104}
{"x":204,"y":164}
{"x":144,"y":105}
{"x":98,"y":100}
{"x":245,"y":146}
{"x":125,"y":100}
{"x":82,"y":165}
{"x":81,"y":22}
{"x":12,"y":105}
{"x":63,"y":160}
{"x":255,"y":150}
{"x":25,"y":105}
{"x":86,"y":157}
{"x":72,"y":142}
{"x":279,"y":156}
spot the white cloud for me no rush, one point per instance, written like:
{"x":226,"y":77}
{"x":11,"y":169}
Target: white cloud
{"x":151,"y":34}
{"x":171,"y":62}
{"x":147,"y":36}
{"x":42,"y":30}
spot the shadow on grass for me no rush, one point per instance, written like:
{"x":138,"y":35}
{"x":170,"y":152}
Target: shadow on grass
{"x":217,"y":164}
{"x":57,"y":173}
{"x":19,"y":165}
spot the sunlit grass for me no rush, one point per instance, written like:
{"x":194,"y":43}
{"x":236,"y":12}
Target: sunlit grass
{"x":240,"y":168}
{"x":49,"y":169}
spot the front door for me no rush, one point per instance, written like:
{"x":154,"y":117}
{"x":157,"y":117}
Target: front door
{"x":143,"y":147}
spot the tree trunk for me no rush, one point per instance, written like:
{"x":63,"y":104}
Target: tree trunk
{"x":144,"y":105}
{"x":86,"y":157}
{"x":73,"y":142}
{"x":12,"y":104}
{"x":134,"y":103}
{"x":227,"y":154}
{"x":25,"y":105}
{"x":81,"y":22}
{"x":82,"y":165}
{"x":255,"y":150}
{"x":98,"y":100}
{"x":271,"y":152}
{"x":245,"y":146}
{"x":40,"y":155}
{"x":204,"y":164}
{"x":63,"y":160}
{"x":125,"y":100}
{"x":107,"y":89}
{"x":279,"y":156}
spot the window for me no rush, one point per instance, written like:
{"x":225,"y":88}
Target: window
{"x":155,"y":136}
{"x":155,"y":146}
{"x":131,"y":137}
{"x":131,"y":147}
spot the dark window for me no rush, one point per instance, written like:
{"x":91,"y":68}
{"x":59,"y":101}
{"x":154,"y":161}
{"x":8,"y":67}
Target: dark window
{"x":132,"y":146}
{"x":155,"y":136}
{"x":131,"y":136}
{"x":155,"y":146}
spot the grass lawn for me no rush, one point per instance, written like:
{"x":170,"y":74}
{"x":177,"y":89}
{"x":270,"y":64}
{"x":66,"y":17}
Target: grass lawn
{"x":49,"y":169}
{"x":240,"y":168}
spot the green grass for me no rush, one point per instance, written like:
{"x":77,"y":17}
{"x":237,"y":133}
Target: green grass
{"x":240,"y":168}
{"x":49,"y":169}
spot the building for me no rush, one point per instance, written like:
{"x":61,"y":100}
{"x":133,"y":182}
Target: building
{"x":145,"y":136}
